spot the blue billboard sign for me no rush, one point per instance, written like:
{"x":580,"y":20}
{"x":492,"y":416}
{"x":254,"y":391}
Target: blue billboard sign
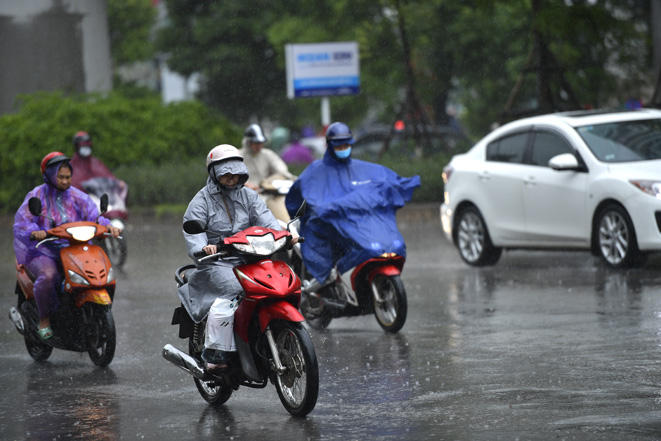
{"x":322,"y":69}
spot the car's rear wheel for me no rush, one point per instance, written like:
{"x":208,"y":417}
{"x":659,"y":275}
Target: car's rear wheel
{"x":616,"y":238}
{"x":472,"y":239}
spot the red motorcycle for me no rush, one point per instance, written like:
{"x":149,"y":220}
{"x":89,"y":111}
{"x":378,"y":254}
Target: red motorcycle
{"x":271,"y":342}
{"x":375,"y":286}
{"x":83,"y":321}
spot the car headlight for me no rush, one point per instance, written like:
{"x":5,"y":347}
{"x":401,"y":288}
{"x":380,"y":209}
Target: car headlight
{"x":77,"y":278}
{"x":652,"y":188}
{"x":82,"y":234}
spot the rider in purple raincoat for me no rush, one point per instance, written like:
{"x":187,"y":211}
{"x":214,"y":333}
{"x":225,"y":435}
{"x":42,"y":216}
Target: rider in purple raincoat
{"x":63,"y":204}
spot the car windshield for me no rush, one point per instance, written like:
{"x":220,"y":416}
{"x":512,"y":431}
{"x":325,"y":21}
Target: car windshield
{"x":624,"y":141}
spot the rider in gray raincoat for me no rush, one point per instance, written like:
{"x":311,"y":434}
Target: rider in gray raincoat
{"x":224,"y":205}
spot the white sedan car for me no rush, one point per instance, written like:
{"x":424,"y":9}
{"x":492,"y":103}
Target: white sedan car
{"x":576,"y":180}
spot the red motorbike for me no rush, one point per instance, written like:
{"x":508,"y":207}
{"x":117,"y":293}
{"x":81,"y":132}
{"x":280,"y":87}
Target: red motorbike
{"x":83,"y":321}
{"x":375,"y":286}
{"x":271,"y":342}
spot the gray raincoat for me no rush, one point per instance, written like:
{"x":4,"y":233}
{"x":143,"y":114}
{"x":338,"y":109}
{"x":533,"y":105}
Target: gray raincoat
{"x":214,"y":279}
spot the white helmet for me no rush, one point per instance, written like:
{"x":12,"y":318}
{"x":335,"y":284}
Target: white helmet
{"x":221,"y":153}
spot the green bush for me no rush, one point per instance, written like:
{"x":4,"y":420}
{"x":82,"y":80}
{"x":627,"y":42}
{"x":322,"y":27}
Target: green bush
{"x":157,"y":149}
{"x":126,"y":132}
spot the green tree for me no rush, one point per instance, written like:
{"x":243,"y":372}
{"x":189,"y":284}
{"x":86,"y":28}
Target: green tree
{"x":471,"y":53}
{"x":130,"y":23}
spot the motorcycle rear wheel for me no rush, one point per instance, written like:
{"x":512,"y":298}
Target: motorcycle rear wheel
{"x":213,"y":393}
{"x":101,"y":336}
{"x":391,"y":307}
{"x":38,"y":350}
{"x":298,"y":385}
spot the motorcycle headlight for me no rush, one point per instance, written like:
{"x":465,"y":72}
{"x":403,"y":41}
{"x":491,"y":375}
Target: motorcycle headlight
{"x":82,"y":234}
{"x":77,"y":278}
{"x":261,"y":245}
{"x":652,"y":188}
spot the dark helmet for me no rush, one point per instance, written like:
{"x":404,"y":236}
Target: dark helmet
{"x":254,"y":133}
{"x":338,"y":133}
{"x":81,"y":139}
{"x":53,"y":158}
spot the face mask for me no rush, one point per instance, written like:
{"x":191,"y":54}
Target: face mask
{"x":343,"y":154}
{"x":85,"y":151}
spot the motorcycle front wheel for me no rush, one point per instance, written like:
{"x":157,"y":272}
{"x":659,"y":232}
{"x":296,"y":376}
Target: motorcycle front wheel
{"x":101,"y":336}
{"x":116,"y":250}
{"x":312,"y":304}
{"x":298,"y":384}
{"x":214,"y":393}
{"x":390,"y":305}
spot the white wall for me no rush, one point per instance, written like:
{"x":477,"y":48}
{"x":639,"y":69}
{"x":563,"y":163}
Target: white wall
{"x":48,"y":45}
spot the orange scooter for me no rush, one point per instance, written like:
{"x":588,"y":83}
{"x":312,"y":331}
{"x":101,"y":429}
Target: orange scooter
{"x":83,"y":321}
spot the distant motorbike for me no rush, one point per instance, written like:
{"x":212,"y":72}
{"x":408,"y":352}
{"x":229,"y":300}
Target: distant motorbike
{"x":275,"y":189}
{"x":84,"y":321}
{"x":374,"y":286}
{"x":271,"y":342}
{"x":117,"y":191}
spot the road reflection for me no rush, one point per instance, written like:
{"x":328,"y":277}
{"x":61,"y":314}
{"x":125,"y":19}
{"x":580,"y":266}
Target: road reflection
{"x":60,"y":408}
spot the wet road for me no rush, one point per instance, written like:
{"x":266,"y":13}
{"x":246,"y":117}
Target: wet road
{"x":541,"y":346}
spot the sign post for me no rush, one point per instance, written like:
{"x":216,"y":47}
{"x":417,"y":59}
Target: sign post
{"x":322,"y":70}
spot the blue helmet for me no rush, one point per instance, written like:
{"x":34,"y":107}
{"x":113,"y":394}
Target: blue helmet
{"x":338,"y":133}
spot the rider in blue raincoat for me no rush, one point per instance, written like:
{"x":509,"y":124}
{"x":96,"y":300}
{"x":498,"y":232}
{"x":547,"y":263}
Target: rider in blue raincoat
{"x":351,"y":206}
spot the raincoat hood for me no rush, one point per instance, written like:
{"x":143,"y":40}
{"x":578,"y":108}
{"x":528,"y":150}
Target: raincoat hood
{"x":233,"y":166}
{"x":50,"y":175}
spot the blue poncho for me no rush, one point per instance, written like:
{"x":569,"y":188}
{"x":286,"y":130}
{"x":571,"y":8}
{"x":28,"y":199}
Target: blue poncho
{"x":350,"y":217}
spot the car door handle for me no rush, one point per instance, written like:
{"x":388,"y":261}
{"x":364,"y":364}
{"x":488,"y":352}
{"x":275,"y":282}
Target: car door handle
{"x":530,"y":181}
{"x":484,"y":176}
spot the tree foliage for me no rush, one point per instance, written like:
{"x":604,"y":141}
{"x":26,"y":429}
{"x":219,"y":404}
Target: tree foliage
{"x":468,"y":53}
{"x":130,"y":23}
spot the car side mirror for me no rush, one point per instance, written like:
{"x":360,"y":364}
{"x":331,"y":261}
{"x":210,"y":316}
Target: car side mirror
{"x":34,"y":205}
{"x":564,"y":161}
{"x":194,"y":227}
{"x":104,"y":203}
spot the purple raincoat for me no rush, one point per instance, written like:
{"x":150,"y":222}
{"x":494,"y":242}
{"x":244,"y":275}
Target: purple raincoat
{"x":77,"y":206}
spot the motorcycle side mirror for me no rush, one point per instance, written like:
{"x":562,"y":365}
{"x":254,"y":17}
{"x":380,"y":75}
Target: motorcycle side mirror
{"x":299,"y":213}
{"x":104,"y":203}
{"x":301,"y":210}
{"x":34,"y":205}
{"x":194,"y":227}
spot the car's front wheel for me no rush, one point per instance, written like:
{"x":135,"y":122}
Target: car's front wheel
{"x":472,"y":239}
{"x":616,"y":238}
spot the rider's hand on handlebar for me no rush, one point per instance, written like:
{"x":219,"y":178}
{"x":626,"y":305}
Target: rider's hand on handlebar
{"x":114,"y":231}
{"x":38,"y":235}
{"x":210,"y":249}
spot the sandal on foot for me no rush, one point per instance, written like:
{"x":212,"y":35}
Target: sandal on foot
{"x":45,"y":333}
